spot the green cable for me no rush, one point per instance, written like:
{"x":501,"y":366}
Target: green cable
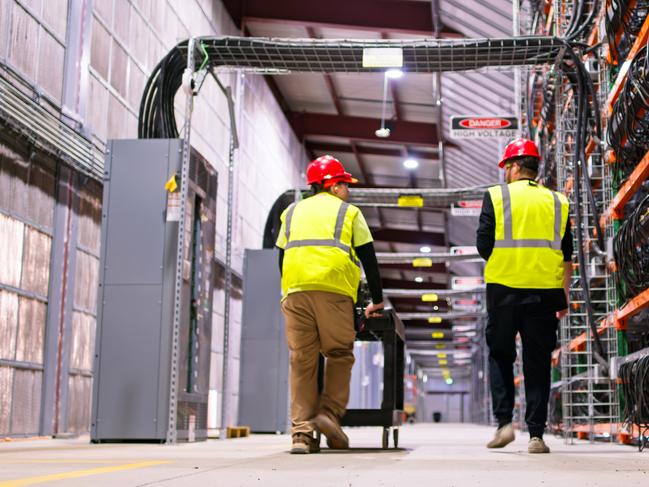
{"x":207,"y":57}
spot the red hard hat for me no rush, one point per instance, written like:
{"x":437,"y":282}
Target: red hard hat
{"x":327,"y":170}
{"x":518,"y":148}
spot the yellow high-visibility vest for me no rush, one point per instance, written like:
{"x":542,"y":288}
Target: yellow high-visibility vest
{"x":530,"y":223}
{"x":319,"y":255}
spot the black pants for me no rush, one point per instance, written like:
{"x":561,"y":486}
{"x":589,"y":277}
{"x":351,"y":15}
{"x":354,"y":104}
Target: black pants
{"x":538,"y":330}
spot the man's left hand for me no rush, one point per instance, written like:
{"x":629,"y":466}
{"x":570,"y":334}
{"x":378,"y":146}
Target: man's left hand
{"x":562,"y":313}
{"x":372,"y":310}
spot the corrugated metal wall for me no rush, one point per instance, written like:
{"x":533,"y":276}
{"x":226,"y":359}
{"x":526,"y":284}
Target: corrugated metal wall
{"x":27,"y":201}
{"x":46,"y":390}
{"x":91,"y":58}
{"x":84,"y":316}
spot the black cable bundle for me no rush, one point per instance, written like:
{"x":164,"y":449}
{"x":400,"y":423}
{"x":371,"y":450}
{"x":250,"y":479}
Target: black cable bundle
{"x":631,"y":251}
{"x":581,"y":20}
{"x":157,"y":119}
{"x":628,"y":132}
{"x":637,"y":331}
{"x":587,"y":119}
{"x":634,"y":377}
{"x":622,"y":25}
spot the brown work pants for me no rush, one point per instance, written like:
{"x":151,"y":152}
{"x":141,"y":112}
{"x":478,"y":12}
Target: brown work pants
{"x":319,"y":322}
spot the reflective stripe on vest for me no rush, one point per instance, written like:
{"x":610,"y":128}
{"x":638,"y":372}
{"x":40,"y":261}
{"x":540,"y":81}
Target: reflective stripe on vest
{"x":334,"y":242}
{"x":510,"y":242}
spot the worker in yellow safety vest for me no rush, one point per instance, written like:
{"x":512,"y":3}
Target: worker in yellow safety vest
{"x":524,"y":235}
{"x":321,"y":241}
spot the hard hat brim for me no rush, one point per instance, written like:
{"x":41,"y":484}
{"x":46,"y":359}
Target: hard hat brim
{"x":345,"y":178}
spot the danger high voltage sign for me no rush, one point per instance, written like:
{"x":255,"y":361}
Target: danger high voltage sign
{"x":473,"y":126}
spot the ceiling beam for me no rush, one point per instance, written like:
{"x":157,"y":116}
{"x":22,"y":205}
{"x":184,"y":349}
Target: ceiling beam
{"x":402,"y":16}
{"x":370,"y":151}
{"x":363,"y":128}
{"x":408,"y":236}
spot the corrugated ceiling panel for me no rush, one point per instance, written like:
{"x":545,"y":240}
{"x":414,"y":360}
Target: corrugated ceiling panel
{"x":269,"y":29}
{"x":306,"y":92}
{"x":478,"y":18}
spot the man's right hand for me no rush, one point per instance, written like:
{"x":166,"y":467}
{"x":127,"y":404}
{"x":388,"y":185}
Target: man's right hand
{"x":372,"y":310}
{"x":562,"y":313}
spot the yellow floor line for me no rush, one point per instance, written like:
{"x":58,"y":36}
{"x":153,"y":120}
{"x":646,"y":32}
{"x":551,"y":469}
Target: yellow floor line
{"x":77,"y":473}
{"x":56,"y":460}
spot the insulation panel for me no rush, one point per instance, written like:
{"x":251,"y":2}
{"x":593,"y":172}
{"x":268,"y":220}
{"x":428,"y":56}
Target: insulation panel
{"x":6,"y":385}
{"x":90,"y":218}
{"x":36,"y":262}
{"x":79,"y":396}
{"x":40,"y":194}
{"x":11,"y":250}
{"x":8,"y":326}
{"x":26,"y":404}
{"x":86,"y":282}
{"x":14,"y":173}
{"x":82,"y":341}
{"x":31,"y":331}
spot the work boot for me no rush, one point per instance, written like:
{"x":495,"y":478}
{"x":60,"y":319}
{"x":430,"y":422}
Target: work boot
{"x":304,"y":443}
{"x":503,"y":437}
{"x":537,"y":445}
{"x":329,"y":426}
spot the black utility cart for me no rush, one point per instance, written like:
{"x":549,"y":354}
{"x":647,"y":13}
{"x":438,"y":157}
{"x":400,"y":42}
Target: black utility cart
{"x":389,"y":330}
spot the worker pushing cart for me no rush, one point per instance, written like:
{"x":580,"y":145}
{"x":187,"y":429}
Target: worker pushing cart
{"x":321,"y":240}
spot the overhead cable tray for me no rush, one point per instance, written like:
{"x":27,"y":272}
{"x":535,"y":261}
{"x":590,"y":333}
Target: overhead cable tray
{"x":414,"y":197}
{"x":442,"y":316}
{"x":430,"y":257}
{"x":278,"y":55}
{"x":442,"y":293}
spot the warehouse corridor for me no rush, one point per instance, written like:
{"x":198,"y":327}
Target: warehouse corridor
{"x":432,"y":454}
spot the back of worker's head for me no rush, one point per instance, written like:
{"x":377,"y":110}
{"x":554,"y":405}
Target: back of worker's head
{"x":325,"y":172}
{"x":528,"y":166}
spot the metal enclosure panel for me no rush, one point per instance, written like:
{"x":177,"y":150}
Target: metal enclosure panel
{"x":136,"y":295}
{"x":133,"y":212}
{"x":263,"y":390}
{"x":128,"y":395}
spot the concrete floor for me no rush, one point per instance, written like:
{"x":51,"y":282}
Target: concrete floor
{"x":440,"y":455}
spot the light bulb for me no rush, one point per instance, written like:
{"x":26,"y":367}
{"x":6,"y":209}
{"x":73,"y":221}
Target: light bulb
{"x":411,"y":164}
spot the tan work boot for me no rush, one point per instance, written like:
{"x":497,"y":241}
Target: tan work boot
{"x":537,"y":445}
{"x":304,"y":443}
{"x":503,"y":437}
{"x":330,"y":427}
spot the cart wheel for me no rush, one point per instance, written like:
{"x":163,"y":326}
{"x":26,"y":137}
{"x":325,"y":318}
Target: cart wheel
{"x":386,"y":438}
{"x":395,"y":437}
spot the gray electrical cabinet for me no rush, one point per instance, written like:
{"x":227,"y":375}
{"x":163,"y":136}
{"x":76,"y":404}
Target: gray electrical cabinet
{"x":263,"y":389}
{"x":134,"y":390}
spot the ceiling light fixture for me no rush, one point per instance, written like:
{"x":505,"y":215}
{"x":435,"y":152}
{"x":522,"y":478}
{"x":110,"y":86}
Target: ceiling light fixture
{"x":411,"y":163}
{"x":394,"y":73}
{"x":425,"y":249}
{"x":419,"y":279}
